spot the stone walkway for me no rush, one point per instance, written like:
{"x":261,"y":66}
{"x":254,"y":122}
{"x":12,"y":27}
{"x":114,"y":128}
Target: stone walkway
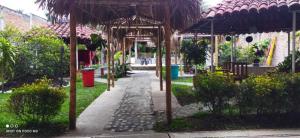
{"x":135,"y":112}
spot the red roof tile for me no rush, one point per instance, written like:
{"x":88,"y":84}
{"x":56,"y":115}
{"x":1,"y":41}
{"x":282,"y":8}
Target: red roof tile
{"x":231,"y":6}
{"x":63,"y":30}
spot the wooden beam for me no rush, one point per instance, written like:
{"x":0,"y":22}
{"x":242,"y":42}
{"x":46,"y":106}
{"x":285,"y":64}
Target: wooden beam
{"x":108,"y":58}
{"x":168,"y":63}
{"x":113,"y":65}
{"x":72,"y":108}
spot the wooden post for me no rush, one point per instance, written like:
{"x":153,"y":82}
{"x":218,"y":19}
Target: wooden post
{"x":124,"y":55}
{"x":157,"y":60}
{"x":167,"y":26}
{"x":72,"y":110}
{"x":160,"y":60}
{"x":123,"y":51}
{"x":113,"y":65}
{"x":108,"y":58}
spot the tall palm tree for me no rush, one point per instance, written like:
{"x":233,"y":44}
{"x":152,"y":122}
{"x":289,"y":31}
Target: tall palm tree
{"x":7,"y":60}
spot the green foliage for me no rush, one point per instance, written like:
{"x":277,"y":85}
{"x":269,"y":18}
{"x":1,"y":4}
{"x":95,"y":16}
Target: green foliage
{"x":263,"y":94}
{"x":184,"y":94}
{"x":225,"y":52}
{"x":37,"y":102}
{"x":292,"y":88}
{"x":286,"y":65}
{"x":245,"y":54}
{"x":40,"y":56}
{"x":194,"y":53}
{"x":253,"y":52}
{"x":7,"y":59}
{"x":214,"y":90}
{"x":81,"y":47}
{"x":12,"y":35}
{"x":97,"y":42}
{"x":37,"y":32}
{"x":117,"y":56}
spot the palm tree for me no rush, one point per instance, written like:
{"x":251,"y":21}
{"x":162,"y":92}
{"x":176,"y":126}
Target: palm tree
{"x":7,"y":60}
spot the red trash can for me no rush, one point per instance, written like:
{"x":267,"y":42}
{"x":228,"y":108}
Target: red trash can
{"x":88,"y":77}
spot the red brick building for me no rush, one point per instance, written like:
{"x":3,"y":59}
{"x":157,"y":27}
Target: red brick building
{"x":20,"y":20}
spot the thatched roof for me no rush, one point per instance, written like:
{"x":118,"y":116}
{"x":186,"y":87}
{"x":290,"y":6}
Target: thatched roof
{"x":184,"y":12}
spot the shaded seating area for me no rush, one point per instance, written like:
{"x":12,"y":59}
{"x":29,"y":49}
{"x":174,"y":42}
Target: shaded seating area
{"x":234,"y":17}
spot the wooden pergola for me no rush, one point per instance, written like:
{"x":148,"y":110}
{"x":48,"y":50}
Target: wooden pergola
{"x":172,"y":14}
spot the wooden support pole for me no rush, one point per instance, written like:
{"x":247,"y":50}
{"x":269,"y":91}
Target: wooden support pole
{"x":113,"y":65}
{"x":123,"y":50}
{"x":124,"y":55}
{"x":157,"y":60}
{"x":72,"y":110}
{"x":108,"y":58}
{"x":160,"y":60}
{"x":167,"y":26}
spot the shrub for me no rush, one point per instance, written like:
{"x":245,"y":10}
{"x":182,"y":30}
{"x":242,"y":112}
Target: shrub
{"x":214,"y":90}
{"x":37,"y":102}
{"x":40,"y":56}
{"x":286,"y":65}
{"x":263,"y":94}
{"x":293,"y":90}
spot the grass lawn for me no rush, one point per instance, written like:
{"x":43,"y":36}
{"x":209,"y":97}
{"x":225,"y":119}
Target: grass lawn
{"x":184,"y":79}
{"x":59,"y":124}
{"x":184,"y":94}
{"x":205,"y":121}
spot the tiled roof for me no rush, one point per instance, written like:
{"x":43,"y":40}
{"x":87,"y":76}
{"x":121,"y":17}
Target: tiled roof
{"x":234,"y":6}
{"x":248,"y":16}
{"x":63,"y":30}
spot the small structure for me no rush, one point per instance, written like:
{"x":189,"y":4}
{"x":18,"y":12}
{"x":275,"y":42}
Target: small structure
{"x":250,"y":16}
{"x":174,"y":14}
{"x":83,"y":36}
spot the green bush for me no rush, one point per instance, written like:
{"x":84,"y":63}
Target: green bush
{"x":37,"y":102}
{"x":286,"y":65}
{"x":293,"y":90}
{"x":214,"y":90}
{"x":263,"y":94}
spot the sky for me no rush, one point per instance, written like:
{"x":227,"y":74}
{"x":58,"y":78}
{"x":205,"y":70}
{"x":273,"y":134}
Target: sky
{"x":28,"y":6}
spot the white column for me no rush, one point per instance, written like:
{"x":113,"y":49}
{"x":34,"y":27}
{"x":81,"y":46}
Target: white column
{"x":294,"y":41}
{"x":232,"y":48}
{"x":289,"y":43}
{"x":212,"y":45}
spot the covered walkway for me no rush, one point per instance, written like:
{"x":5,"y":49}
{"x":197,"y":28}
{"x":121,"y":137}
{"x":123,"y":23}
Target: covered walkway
{"x":132,"y":106}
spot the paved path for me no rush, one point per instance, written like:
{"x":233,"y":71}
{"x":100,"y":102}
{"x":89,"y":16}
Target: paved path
{"x":127,"y":107}
{"x":135,"y":112}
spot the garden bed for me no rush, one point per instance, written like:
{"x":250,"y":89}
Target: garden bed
{"x":204,"y":121}
{"x":58,"y":125}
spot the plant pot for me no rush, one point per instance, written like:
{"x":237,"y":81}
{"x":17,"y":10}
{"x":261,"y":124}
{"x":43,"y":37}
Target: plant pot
{"x":256,"y":63}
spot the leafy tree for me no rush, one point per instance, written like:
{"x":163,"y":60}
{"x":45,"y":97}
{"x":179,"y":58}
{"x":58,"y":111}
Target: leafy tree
{"x":194,"y":53}
{"x":225,"y":52}
{"x":7,"y":60}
